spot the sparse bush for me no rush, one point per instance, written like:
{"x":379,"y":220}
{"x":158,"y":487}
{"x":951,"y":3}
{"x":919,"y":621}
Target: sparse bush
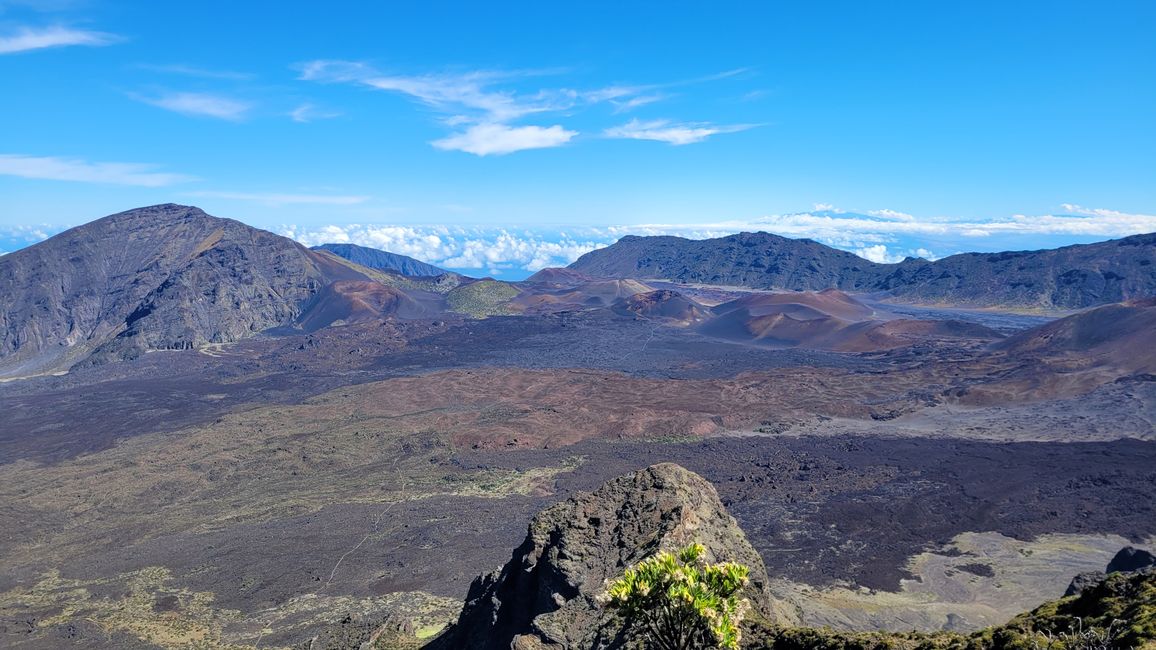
{"x":674,"y":602}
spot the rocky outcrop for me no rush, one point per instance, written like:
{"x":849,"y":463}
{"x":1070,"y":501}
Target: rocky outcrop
{"x":545,"y":596}
{"x":1129,"y":560}
{"x":1071,"y":277}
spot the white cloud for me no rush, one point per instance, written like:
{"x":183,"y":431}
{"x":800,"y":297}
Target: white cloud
{"x":671,"y":132}
{"x":308,"y":113}
{"x":834,"y":225}
{"x":638,"y":101}
{"x":200,"y":105}
{"x":29,"y":38}
{"x":488,"y":250}
{"x":469,"y":92}
{"x":891,"y":214}
{"x":827,"y":207}
{"x":487,"y":103}
{"x":878,"y":253}
{"x":29,"y":234}
{"x":70,"y":169}
{"x":285,"y":199}
{"x":874,"y":238}
{"x":499,"y":139}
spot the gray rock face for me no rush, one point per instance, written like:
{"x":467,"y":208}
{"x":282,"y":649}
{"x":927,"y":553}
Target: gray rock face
{"x":545,"y":596}
{"x":1131,"y":559}
{"x":382,"y":260}
{"x":1070,"y":277}
{"x":1084,"y":580}
{"x":156,"y":278}
{"x":1128,"y":560}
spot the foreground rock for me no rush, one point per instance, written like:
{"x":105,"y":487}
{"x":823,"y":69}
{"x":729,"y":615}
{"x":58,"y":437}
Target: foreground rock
{"x":1128,"y":560}
{"x":544,"y":597}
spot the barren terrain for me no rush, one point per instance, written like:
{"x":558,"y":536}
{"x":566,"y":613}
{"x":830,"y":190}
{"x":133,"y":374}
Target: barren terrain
{"x":245,"y":493}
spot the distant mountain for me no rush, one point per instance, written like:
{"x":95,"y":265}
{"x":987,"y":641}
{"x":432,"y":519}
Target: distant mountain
{"x":759,"y":260}
{"x":157,"y":278}
{"x":382,"y":260}
{"x":1069,"y":278}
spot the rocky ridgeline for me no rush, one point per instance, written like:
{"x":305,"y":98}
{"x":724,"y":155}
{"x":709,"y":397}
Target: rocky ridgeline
{"x":1070,"y":278}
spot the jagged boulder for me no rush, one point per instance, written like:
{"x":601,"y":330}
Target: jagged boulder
{"x":1131,"y":559}
{"x":1128,"y":560}
{"x":545,"y":596}
{"x":1084,"y":580}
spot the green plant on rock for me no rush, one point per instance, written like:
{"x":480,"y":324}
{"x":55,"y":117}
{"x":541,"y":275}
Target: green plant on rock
{"x":679,"y":601}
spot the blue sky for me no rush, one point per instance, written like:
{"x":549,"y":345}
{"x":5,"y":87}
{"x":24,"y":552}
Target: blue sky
{"x":499,"y":137}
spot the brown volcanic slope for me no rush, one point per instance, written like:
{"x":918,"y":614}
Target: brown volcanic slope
{"x":558,"y":277}
{"x":157,"y":278}
{"x":663,"y":305}
{"x":1074,"y":355}
{"x":827,"y":320}
{"x":1121,"y":335}
{"x":358,"y":301}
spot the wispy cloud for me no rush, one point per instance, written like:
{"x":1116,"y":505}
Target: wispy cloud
{"x":499,"y":139}
{"x":199,"y":105}
{"x":196,"y":71}
{"x":57,"y":36}
{"x":70,"y":169}
{"x":285,"y":199}
{"x":673,"y":133}
{"x":471,"y":94}
{"x":632,"y":103}
{"x":308,"y":113}
{"x":830,"y":224}
{"x":32,"y":38}
{"x":487,"y":103}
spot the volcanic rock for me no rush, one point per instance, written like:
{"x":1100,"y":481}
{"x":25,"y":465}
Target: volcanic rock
{"x":545,"y":596}
{"x":1131,"y":559}
{"x":1128,"y":560}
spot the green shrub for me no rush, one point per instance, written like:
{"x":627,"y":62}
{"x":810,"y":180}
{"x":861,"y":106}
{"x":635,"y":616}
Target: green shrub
{"x":674,"y":602}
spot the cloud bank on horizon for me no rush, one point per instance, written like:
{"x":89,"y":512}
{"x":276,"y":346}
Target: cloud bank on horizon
{"x":883,"y":236}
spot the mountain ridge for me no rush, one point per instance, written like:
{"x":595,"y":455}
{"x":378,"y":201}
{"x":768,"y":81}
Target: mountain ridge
{"x":382,"y":260}
{"x":162,"y":277}
{"x":1070,"y":277}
